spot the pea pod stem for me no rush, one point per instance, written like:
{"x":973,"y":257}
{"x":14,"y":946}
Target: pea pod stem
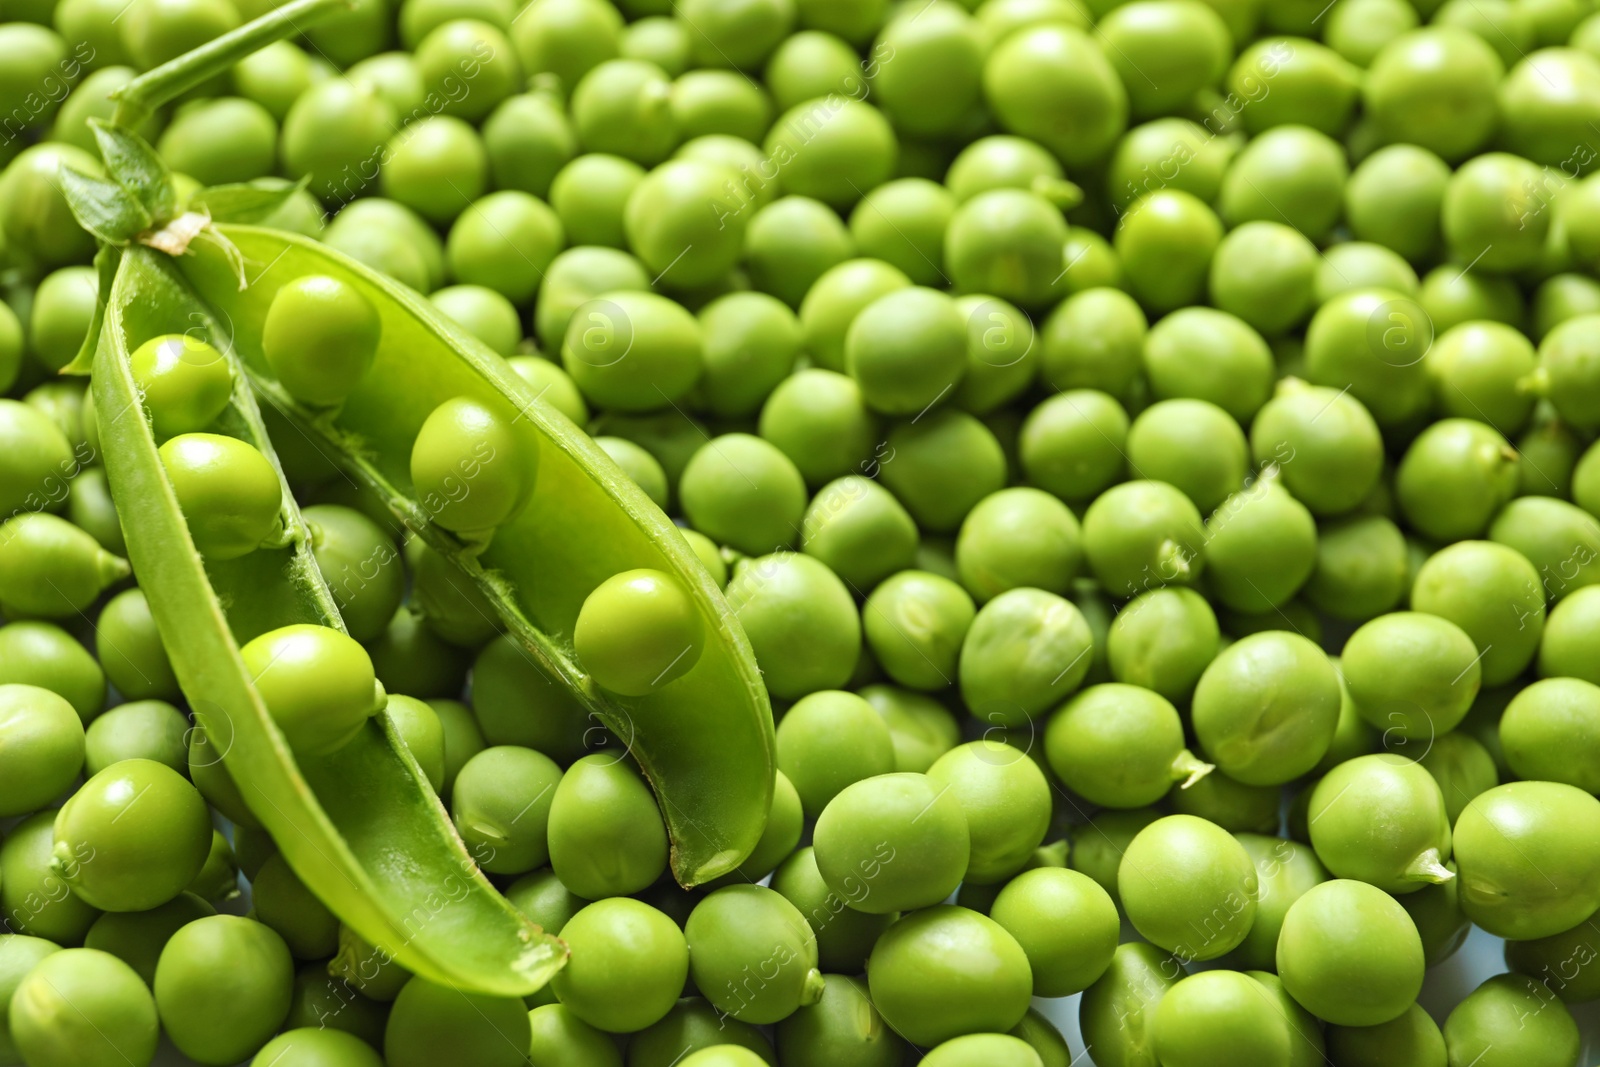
{"x":1187,"y":769}
{"x":1429,"y":867}
{"x":160,"y":85}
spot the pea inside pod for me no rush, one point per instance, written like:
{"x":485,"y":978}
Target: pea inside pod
{"x":558,"y":534}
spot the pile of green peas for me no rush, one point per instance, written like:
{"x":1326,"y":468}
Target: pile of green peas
{"x":1150,"y":448}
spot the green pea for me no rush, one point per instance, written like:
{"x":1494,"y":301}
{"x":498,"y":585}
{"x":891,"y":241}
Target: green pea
{"x":831,"y":149}
{"x":1286,"y":871}
{"x":658,"y":38}
{"x":1371,"y":342}
{"x":835,"y":299}
{"x":335,"y":132}
{"x":1054,"y":84}
{"x":1562,"y":297}
{"x":1172,"y":153}
{"x":1018,"y":537}
{"x":143,"y":730}
{"x":812,"y":64}
{"x":505,"y":242}
{"x":220,"y":141}
{"x":842,"y":1029}
{"x":830,"y":740}
{"x":628,"y":965}
{"x":218,"y":879}
{"x":1526,"y":852}
{"x":83,"y":1006}
{"x":940,"y":466}
{"x":922,"y":728}
{"x":947,"y":971}
{"x":934,"y":81}
{"x":1006,"y":801}
{"x":131,"y":651}
{"x":693,"y":1025}
{"x":137,"y":938}
{"x":393,"y":75}
{"x":1363,"y":265}
{"x":567,"y":39}
{"x":1229,"y":803}
{"x":436,"y":166}
{"x":1394,"y":197}
{"x":1454,"y":477}
{"x":915,"y":623}
{"x":801,"y":622}
{"x":1261,"y":547}
{"x":553,"y":384}
{"x":792,"y":242}
{"x":1265,"y":274}
{"x":431,"y":1021}
{"x":63,"y":306}
{"x":720,"y":102}
{"x":1509,"y":1019}
{"x":1504,"y":613}
{"x":892,"y":843}
{"x":185,"y":382}
{"x":1162,"y":640}
{"x":1166,"y":240}
{"x":283,"y":903}
{"x":483,"y":313}
{"x":361,"y":566}
{"x":1545,"y":126}
{"x":1266,"y":708}
{"x":459,"y":736}
{"x":50,"y":568}
{"x":670,"y":229}
{"x":325,"y":1005}
{"x":859,"y":530}
{"x":1142,"y":534}
{"x":1290,"y":173}
{"x":1564,"y":962}
{"x":1462,"y":767}
{"x":317,"y":684}
{"x":34,"y":215}
{"x":632,"y":351}
{"x":229,"y":493}
{"x":601,"y":810}
{"x":43,"y":750}
{"x":748,"y":926}
{"x":409,"y":657}
{"x":1188,"y":886}
{"x":743,"y":491}
{"x":1411,"y":674}
{"x":1481,"y":370}
{"x":463,"y":441}
{"x":1493,"y":216}
{"x":751,"y":343}
{"x":1560,"y":540}
{"x":529,"y":141}
{"x":209,"y":1016}
{"x":1209,"y":355}
{"x":1217,"y":1014}
{"x":845,"y":935}
{"x":903,"y":223}
{"x":501,"y":806}
{"x":1072,"y":445}
{"x":907,"y":350}
{"x":1191,"y":444}
{"x":44,"y":655}
{"x":541,"y":897}
{"x":640,"y":467}
{"x":1381,"y":819}
{"x":1434,"y":88}
{"x":1117,"y":1013}
{"x":1350,"y":954}
{"x":638,"y":631}
{"x":1451,"y":296}
{"x":1120,"y":746}
{"x":1001,"y":162}
{"x":1412,"y":1038}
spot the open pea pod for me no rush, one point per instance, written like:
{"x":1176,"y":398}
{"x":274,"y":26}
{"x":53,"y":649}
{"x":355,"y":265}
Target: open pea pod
{"x":361,"y":827}
{"x":705,"y":740}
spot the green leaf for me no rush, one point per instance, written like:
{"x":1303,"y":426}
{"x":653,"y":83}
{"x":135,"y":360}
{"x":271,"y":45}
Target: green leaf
{"x":136,"y":167}
{"x":250,"y":201}
{"x":104,"y":208}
